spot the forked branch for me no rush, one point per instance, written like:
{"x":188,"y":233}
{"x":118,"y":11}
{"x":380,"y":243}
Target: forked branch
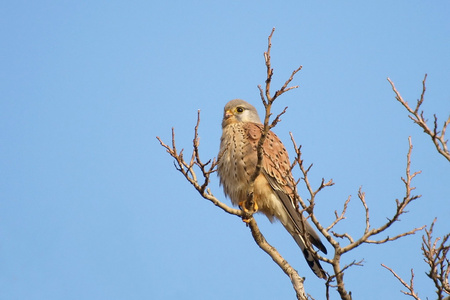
{"x":435,"y":254}
{"x":369,"y":231}
{"x":409,"y":286}
{"x":437,"y":135}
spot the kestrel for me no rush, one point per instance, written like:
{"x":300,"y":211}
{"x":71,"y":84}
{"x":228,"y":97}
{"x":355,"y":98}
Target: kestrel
{"x":273,"y":190}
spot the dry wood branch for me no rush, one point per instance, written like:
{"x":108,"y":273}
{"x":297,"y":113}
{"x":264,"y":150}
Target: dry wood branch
{"x":390,"y":239}
{"x":362,"y":197}
{"x":369,"y":232}
{"x":298,"y":161}
{"x":188,"y":171}
{"x":341,"y":216}
{"x":267,"y":101}
{"x":409,"y":286}
{"x":296,"y":280}
{"x":267,"y":105}
{"x":343,"y":235}
{"x":266,"y":96}
{"x":331,"y":279}
{"x":335,"y":261}
{"x":401,"y":209}
{"x":310,"y":208}
{"x":436,"y":256}
{"x":436,"y":135}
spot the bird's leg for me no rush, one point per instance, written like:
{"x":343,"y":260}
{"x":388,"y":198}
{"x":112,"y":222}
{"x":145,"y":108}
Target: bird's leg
{"x":249,"y":207}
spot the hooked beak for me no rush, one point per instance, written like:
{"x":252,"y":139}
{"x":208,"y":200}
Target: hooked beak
{"x":227,"y":114}
{"x":228,"y":118}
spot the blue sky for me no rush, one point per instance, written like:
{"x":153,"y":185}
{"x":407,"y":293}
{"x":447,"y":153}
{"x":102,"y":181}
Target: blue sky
{"x":90,"y":204}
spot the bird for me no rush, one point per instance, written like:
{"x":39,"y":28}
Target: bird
{"x":273,"y":189}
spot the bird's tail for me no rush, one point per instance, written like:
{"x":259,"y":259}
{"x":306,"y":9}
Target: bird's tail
{"x":313,"y":263}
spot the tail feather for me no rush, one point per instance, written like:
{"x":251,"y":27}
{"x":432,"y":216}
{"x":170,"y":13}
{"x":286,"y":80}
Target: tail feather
{"x":313,"y":263}
{"x":298,"y":227}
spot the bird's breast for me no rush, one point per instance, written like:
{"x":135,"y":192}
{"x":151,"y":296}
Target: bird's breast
{"x":237,"y":161}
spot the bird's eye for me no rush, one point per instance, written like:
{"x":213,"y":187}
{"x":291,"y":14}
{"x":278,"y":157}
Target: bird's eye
{"x":239,"y":109}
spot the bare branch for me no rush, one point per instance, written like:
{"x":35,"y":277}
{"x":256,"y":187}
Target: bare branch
{"x":267,"y":105}
{"x":267,"y":100}
{"x":341,"y":216}
{"x":409,"y":286}
{"x":344,"y":235}
{"x":298,"y":160}
{"x":296,"y":280}
{"x":436,"y":256}
{"x":369,"y":232}
{"x":277,"y":118}
{"x":436,"y":135}
{"x":285,"y":88}
{"x":190,"y":175}
{"x":390,"y":239}
{"x":401,"y":206}
{"x":362,"y":197}
{"x":269,"y":69}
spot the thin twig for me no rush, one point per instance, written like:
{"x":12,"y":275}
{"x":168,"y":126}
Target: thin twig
{"x":436,"y":256}
{"x":436,"y":135}
{"x":341,"y":216}
{"x":190,"y":175}
{"x":409,"y":286}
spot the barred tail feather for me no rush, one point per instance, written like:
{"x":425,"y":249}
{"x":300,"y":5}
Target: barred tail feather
{"x":313,"y":263}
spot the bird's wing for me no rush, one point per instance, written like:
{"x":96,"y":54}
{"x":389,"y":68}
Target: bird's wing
{"x":277,"y":170}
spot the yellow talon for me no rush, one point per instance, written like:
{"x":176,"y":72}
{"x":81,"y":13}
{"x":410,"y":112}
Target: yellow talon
{"x":249,"y":211}
{"x":243,"y":206}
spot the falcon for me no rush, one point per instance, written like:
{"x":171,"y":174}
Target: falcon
{"x":273,"y":190}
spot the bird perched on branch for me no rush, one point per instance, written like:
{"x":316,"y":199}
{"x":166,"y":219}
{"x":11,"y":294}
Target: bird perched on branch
{"x":273,"y":188}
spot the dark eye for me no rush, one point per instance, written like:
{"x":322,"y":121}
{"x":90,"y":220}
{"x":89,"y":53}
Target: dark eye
{"x":239,"y":109}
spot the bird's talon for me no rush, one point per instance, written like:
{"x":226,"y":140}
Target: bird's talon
{"x":243,"y":206}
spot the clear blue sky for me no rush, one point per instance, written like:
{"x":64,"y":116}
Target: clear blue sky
{"x":90,"y":204}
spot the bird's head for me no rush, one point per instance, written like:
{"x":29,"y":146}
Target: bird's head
{"x":238,"y":110}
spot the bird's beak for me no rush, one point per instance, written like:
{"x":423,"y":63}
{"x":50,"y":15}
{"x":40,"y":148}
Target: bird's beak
{"x":227,"y":114}
{"x":228,"y":118}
